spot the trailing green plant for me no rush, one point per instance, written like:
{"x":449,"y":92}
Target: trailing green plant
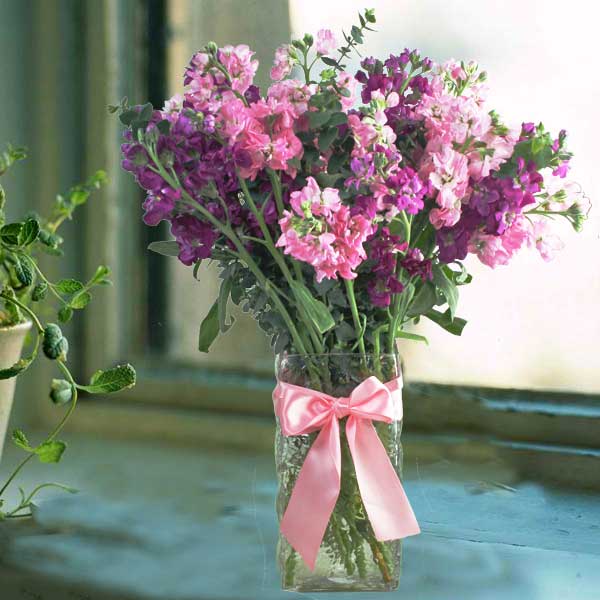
{"x":26,"y":293}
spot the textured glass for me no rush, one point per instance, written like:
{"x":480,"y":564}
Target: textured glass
{"x":350,"y":557}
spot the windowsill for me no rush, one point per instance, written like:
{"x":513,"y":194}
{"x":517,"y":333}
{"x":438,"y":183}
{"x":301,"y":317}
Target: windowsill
{"x":175,"y":522}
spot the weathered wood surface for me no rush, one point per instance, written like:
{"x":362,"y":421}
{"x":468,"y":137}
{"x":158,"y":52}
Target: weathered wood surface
{"x":185,"y":524}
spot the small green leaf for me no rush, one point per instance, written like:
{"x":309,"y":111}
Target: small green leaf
{"x":224,"y":292}
{"x":61,"y":391}
{"x":423,"y":300}
{"x":445,"y":321}
{"x":315,"y":310}
{"x":412,"y":336}
{"x":65,"y":314}
{"x":326,"y":138}
{"x":20,"y":439}
{"x":209,"y":329}
{"x":316,"y":119}
{"x":16,"y":369}
{"x":29,"y":233}
{"x":166,"y":248}
{"x":330,"y":62}
{"x":80,"y":301}
{"x":23,"y":270}
{"x":11,"y":234}
{"x":338,"y":118}
{"x":101,"y":276}
{"x":112,"y":380}
{"x":39,"y":291}
{"x":69,"y":286}
{"x":51,"y":451}
{"x":447,"y":287}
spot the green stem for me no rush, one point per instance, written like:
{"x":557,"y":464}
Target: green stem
{"x":355,"y":316}
{"x":56,"y":430}
{"x":24,"y":308}
{"x":280,"y":260}
{"x":243,"y":253}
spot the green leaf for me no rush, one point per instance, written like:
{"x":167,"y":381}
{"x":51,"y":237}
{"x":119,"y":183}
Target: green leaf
{"x":112,"y":380}
{"x":224,"y":292}
{"x":326,"y":138}
{"x":55,"y":345}
{"x":23,"y":269}
{"x":338,"y":118}
{"x":65,"y":314}
{"x":16,"y":369}
{"x":209,"y":329}
{"x":101,"y":276}
{"x":69,"y":286}
{"x":11,"y":233}
{"x":315,"y":310}
{"x":20,"y":440}
{"x":423,"y":300}
{"x":330,"y":62}
{"x":345,"y":332}
{"x":316,"y":119}
{"x":166,"y":248}
{"x":412,"y":336}
{"x":80,"y":301}
{"x":61,"y":391}
{"x":51,"y":451}
{"x":445,"y":321}
{"x":447,"y":287}
{"x":29,"y":233}
{"x":39,"y":291}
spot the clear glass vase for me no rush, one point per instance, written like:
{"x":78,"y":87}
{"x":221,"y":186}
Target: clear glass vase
{"x":350,"y":557}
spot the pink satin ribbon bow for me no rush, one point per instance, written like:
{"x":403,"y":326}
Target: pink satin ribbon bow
{"x":301,"y":411}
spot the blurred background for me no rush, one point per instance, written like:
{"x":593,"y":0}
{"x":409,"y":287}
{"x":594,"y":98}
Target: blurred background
{"x":526,"y":370}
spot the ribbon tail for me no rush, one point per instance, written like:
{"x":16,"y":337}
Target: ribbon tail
{"x":382,"y":493}
{"x":314,"y":496}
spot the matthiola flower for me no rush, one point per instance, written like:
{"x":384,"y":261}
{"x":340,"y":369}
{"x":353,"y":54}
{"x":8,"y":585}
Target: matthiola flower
{"x":494,"y":250}
{"x":348,"y":82}
{"x":325,"y":43}
{"x":240,"y":66}
{"x":322,"y":232}
{"x":547,"y":243}
{"x":196,"y":238}
{"x":283,"y":64}
{"x":406,"y":191}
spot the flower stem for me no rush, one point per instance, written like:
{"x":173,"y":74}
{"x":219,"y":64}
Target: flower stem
{"x":355,"y":316}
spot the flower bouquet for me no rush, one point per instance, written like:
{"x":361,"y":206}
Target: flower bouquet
{"x":339,"y":208}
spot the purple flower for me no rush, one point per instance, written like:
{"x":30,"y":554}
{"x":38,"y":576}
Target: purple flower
{"x":196,"y":238}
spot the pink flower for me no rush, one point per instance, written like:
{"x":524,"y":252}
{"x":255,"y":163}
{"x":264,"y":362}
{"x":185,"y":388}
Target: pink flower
{"x":283,"y":64}
{"x":450,"y":176}
{"x":240,"y":66}
{"x":284,"y":147}
{"x":364,"y":133}
{"x":322,"y":232}
{"x":348,"y":82}
{"x":546,"y":242}
{"x":494,"y":250}
{"x":293,"y":93}
{"x":173,"y":104}
{"x":444,"y":217}
{"x":325,"y":43}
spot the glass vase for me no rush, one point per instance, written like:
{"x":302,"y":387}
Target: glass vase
{"x":350,"y":557}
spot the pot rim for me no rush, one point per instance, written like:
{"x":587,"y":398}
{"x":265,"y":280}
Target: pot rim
{"x":24,"y":326}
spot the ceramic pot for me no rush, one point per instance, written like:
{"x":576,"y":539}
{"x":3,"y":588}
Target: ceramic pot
{"x":11,"y":345}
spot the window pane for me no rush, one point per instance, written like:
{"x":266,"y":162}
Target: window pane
{"x":533,"y":324}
